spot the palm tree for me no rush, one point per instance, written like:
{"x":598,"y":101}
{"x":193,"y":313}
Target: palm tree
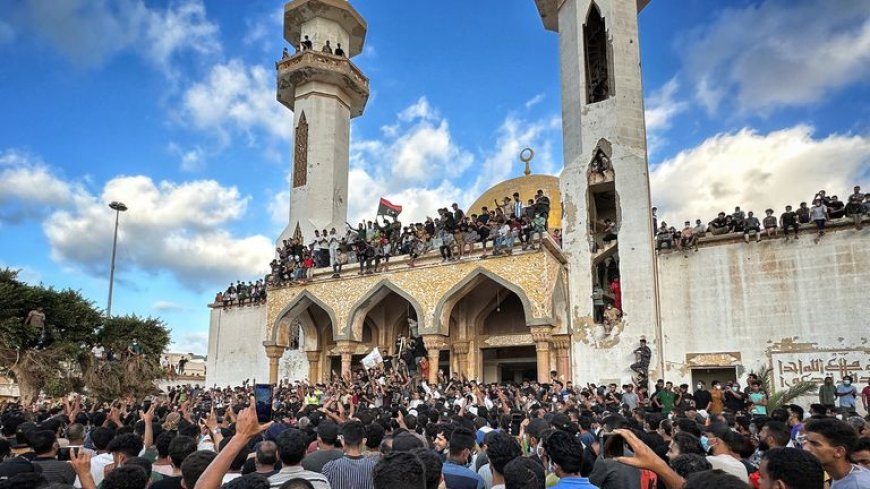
{"x":780,"y":398}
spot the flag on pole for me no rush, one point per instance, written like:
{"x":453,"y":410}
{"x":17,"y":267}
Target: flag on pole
{"x":387,"y":208}
{"x":372,"y":359}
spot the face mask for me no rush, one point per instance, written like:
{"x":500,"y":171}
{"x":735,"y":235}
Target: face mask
{"x":700,"y":386}
{"x":705,"y":444}
{"x":735,"y":389}
{"x":847,"y":382}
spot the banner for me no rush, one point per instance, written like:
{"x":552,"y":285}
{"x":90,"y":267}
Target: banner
{"x":387,"y":208}
{"x":372,"y":359}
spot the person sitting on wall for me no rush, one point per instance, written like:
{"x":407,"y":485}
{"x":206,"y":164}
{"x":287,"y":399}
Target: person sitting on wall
{"x":855,"y":207}
{"x":700,"y":229}
{"x":769,"y":223}
{"x":751,"y":226}
{"x":664,"y":237}
{"x":789,"y":220}
{"x":719,"y":225}
{"x":836,"y":208}
{"x":738,"y":217}
{"x":611,"y":318}
{"x":688,"y":238}
{"x":803,"y":213}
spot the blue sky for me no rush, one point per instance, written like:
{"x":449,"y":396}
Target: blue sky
{"x":170,"y":107}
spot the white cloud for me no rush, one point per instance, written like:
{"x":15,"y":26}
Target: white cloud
{"x":175,"y":227}
{"x":89,"y":32}
{"x":407,"y":164}
{"x":195,"y":342}
{"x":411,"y":148}
{"x":236,"y":97}
{"x":29,"y":189}
{"x":661,"y":107}
{"x":756,"y":171}
{"x":534,"y":100}
{"x":265,"y":30}
{"x":191,"y":160}
{"x":503,"y":160}
{"x":779,"y":53}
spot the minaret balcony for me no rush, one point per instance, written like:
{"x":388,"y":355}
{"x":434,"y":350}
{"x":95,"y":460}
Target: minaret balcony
{"x":313,"y":66}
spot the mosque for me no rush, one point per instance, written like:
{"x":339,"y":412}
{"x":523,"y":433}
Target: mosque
{"x":797,"y":307}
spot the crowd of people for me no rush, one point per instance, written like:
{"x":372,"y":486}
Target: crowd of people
{"x":385,"y":427}
{"x":241,"y":294}
{"x":824,"y":209}
{"x":371,"y":244}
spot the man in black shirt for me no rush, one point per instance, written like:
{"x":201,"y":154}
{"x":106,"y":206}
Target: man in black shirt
{"x":789,"y":220}
{"x":702,"y":396}
{"x":45,"y":446}
{"x":734,"y":399}
{"x":719,"y":225}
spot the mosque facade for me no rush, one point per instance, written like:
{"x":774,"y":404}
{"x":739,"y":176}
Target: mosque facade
{"x":797,"y":307}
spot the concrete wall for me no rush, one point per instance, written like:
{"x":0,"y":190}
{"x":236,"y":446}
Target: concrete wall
{"x":798,"y":307}
{"x":235,"y":346}
{"x":770,"y":298}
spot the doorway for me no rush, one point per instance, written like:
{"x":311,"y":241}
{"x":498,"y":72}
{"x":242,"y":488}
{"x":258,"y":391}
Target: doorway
{"x":509,"y":364}
{"x":708,"y":375}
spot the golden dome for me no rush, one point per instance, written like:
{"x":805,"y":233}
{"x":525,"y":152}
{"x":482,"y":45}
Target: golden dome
{"x":527,"y":186}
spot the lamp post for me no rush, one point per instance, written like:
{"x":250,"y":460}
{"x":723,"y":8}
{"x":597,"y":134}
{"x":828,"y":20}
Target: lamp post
{"x":118,"y":207}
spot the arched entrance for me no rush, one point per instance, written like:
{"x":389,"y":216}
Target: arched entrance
{"x":384,"y":314}
{"x":489,"y":329}
{"x":315,"y":323}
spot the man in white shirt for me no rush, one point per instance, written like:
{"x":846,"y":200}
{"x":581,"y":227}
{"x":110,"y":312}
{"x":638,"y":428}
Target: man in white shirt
{"x":725,"y":445}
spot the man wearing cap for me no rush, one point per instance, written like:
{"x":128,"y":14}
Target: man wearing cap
{"x":456,"y":474}
{"x":327,"y":451}
{"x":724,"y":445}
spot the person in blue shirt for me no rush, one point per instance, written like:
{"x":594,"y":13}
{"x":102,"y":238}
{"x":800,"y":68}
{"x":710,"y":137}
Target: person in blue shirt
{"x":456,"y":473}
{"x":846,"y":393}
{"x":566,"y":453}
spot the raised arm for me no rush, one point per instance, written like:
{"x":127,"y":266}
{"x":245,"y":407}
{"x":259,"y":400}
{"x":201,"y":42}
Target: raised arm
{"x":246,"y":429}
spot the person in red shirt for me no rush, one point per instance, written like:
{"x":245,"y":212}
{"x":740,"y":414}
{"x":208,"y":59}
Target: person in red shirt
{"x":616,"y":289}
{"x":865,"y":396}
{"x":308,"y":264}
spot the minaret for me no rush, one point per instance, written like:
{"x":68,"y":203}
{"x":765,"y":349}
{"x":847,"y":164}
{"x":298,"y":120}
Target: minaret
{"x":605,"y":177}
{"x":324,"y":90}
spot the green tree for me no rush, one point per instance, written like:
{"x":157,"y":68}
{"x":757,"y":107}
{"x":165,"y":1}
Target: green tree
{"x":74,"y":325}
{"x":781,"y":397}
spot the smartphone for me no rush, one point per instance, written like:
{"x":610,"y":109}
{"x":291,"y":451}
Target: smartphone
{"x":263,"y":398}
{"x":614,"y":445}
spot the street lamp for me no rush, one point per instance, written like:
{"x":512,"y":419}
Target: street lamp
{"x":118,"y":207}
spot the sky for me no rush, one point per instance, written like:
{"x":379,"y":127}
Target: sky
{"x":169,"y":106}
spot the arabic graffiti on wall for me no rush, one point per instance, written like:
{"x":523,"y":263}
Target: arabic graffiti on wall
{"x":790,"y":368}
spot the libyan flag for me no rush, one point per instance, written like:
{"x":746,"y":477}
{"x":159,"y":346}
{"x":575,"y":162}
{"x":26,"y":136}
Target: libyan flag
{"x":387,"y":208}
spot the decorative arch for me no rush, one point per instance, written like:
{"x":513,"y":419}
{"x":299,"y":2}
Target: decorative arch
{"x":372,"y":298}
{"x":441,"y":319}
{"x":296,"y":307}
{"x":599,"y":82}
